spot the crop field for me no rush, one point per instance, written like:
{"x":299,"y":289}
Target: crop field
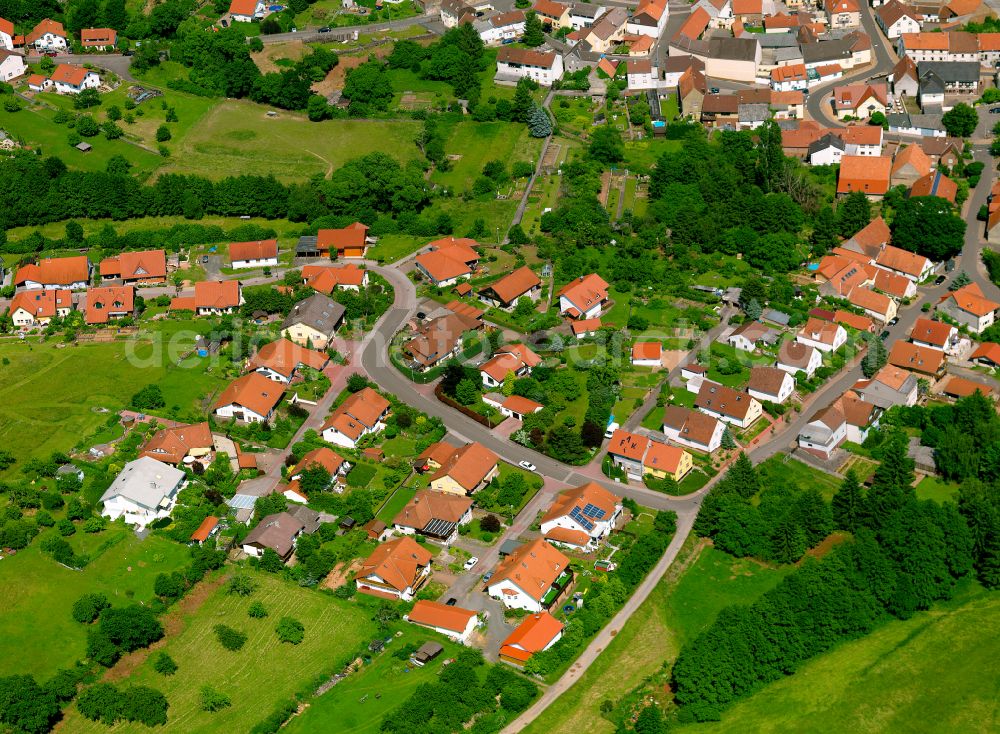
{"x":37,"y":594}
{"x":237,"y":138}
{"x":261,"y":675}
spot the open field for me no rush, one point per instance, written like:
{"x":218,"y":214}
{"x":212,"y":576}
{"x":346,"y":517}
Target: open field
{"x":674,"y":613}
{"x":937,"y":489}
{"x":264,"y":673}
{"x":382,"y":686}
{"x":51,"y":391}
{"x":237,"y":138}
{"x":935,"y":672}
{"x":479,"y":143}
{"x":798,"y":473}
{"x":36,"y":595}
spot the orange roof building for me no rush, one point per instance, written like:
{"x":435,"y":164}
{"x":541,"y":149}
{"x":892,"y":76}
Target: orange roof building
{"x":98,"y":37}
{"x":584,"y":298}
{"x":970,"y":307}
{"x":173,"y":445}
{"x":434,"y":515}
{"x":922,"y":360}
{"x":987,"y":353}
{"x":136,"y":268}
{"x":252,"y":398}
{"x":109,"y":302}
{"x":506,"y":292}
{"x":350,"y":241}
{"x":867,"y":174}
{"x":536,"y":633}
{"x":37,"y":307}
{"x":468,"y":469}
{"x":455,"y":622}
{"x":360,"y":414}
{"x":211,"y":297}
{"x":396,"y":569}
{"x":647,"y":353}
{"x":279,"y":360}
{"x":582,"y":517}
{"x":71,"y":273}
{"x":253,"y":254}
{"x":532,"y":577}
{"x":326,"y":279}
{"x":207,"y":528}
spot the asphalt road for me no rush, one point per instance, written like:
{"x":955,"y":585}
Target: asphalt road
{"x":120,"y":65}
{"x":312,"y":35}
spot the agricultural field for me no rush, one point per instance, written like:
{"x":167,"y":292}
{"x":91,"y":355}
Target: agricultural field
{"x":265,"y":673}
{"x":55,"y":396}
{"x":896,"y":679}
{"x":238,"y":137}
{"x":37,"y":594}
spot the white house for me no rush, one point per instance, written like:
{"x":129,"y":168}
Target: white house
{"x":649,"y":18}
{"x":144,"y":491}
{"x":542,"y":67}
{"x":822,"y":335}
{"x":729,"y":405}
{"x":361,"y":414}
{"x":245,"y":11}
{"x":36,"y":307}
{"x":531,"y":577}
{"x":692,"y":429}
{"x":772,"y":384}
{"x":501,"y":27}
{"x":584,"y":15}
{"x":72,"y":79}
{"x":453,"y":622}
{"x":824,"y":433}
{"x":260,"y":254}
{"x":6,"y":35}
{"x":48,"y":35}
{"x":11,"y":65}
{"x":968,"y":306}
{"x":895,"y":19}
{"x":641,"y":74}
{"x":584,"y":298}
{"x":647,"y":354}
{"x":582,"y":517}
{"x":397,"y":568}
{"x":251,"y":398}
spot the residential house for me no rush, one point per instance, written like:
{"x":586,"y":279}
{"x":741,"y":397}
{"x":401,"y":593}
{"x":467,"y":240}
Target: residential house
{"x":145,"y":490}
{"x":48,"y":35}
{"x":894,"y":284}
{"x":946,"y":151}
{"x":531,"y":578}
{"x":11,"y":65}
{"x":585,"y":327}
{"x":434,"y":515}
{"x":276,"y":532}
{"x":627,"y":451}
{"x":61,"y":273}
{"x":451,"y":621}
{"x":692,"y":429}
{"x":326,"y":458}
{"x":826,"y":151}
{"x":905,"y":79}
{"x":969,"y":307}
{"x":518,"y":407}
{"x":553,"y":14}
{"x":505,"y":293}
{"x":260,"y":254}
{"x":877,"y":305}
{"x":910,"y":164}
{"x":584,"y":15}
{"x":860,"y":100}
{"x":280,"y":360}
{"x":456,"y":12}
{"x":748,"y":336}
{"x":843,"y":13}
{"x":889,"y":386}
{"x":641,"y":74}
{"x":823,"y":335}
{"x":109,"y":302}
{"x":729,"y":405}
{"x":501,"y":27}
{"x":771,"y":384}
{"x":438,"y":340}
{"x":539,"y":66}
{"x":664,"y":461}
{"x":99,"y":39}
{"x":647,"y":354}
{"x":246,"y":11}
{"x":649,"y":18}
{"x":38,"y":307}
{"x":896,"y":18}
{"x":795,"y":357}
{"x":854,"y":321}
{"x":175,"y":444}
{"x":903,"y":262}
{"x":950,"y":77}
{"x":581,"y":517}
{"x":468,"y":469}
{"x":608,"y":31}
{"x":39,"y":83}
{"x":935,"y":184}
{"x":584,"y":298}
{"x":313,"y":321}
{"x":72,"y":79}
{"x":824,"y":432}
{"x":870,"y":239}
{"x":397,"y":569}
{"x":209,"y":527}
{"x":933,"y":334}
{"x":211,"y":298}
{"x":691,"y":89}
{"x":360,"y":414}
{"x":536,"y":633}
{"x":863,"y":141}
{"x":987,"y":354}
{"x":251,"y":398}
{"x":328,"y":278}
{"x":869,"y":175}
{"x":446,"y":263}
{"x":351,"y":241}
{"x":924,"y":361}
{"x":515,"y":359}
{"x":136,"y":268}
{"x":6,"y":35}
{"x":946,"y":46}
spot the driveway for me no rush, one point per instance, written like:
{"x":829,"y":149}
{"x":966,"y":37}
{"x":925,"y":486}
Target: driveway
{"x":120,"y":65}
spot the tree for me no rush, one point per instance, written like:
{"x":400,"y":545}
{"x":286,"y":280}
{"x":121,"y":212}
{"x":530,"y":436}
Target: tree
{"x":228,"y":637}
{"x":771,"y":161}
{"x":522,"y":104}
{"x":163,"y":134}
{"x":854,"y":213}
{"x":148,"y":398}
{"x":848,"y":504}
{"x":356,"y":382}
{"x":74,"y":233}
{"x":490,"y":523}
{"x":368,"y":88}
{"x":317,"y":108}
{"x":130,"y":627}
{"x":118,"y":165}
{"x":959,"y":281}
{"x":878,"y":118}
{"x":607,"y":146}
{"x":825,"y":230}
{"x":467,"y":392}
{"x":314,"y":478}
{"x":213,"y":700}
{"x":115,"y":15}
{"x":961,"y":120}
{"x":728,"y":442}
{"x":271,"y":561}
{"x":89,"y":606}
{"x":25,"y":706}
{"x":164,"y":664}
{"x":241,"y":585}
{"x":539,"y":123}
{"x":290,"y":630}
{"x":533,"y":35}
{"x":256,"y":610}
{"x":928,"y":226}
{"x":86,"y":99}
{"x":87,"y":126}
{"x":876,"y":357}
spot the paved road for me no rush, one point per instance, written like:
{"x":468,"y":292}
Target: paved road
{"x":312,"y":35}
{"x":120,"y":65}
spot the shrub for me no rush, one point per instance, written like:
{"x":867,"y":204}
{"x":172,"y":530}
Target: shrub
{"x":229,"y":638}
{"x":88,"y":607}
{"x":164,"y":664}
{"x":257,"y":610}
{"x":213,"y":700}
{"x":241,"y":586}
{"x":290,"y":630}
{"x":490,"y":524}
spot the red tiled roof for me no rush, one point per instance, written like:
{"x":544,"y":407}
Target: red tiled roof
{"x":533,"y":635}
{"x":259,"y":250}
{"x":867,"y":174}
{"x":252,"y":391}
{"x":646,"y":351}
{"x":55,"y":271}
{"x":435,"y":614}
{"x":104,"y":301}
{"x":205,"y":529}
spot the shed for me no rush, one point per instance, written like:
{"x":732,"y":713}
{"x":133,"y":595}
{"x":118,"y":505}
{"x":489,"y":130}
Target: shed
{"x":84,"y":147}
{"x":509,"y":546}
{"x":427,"y":652}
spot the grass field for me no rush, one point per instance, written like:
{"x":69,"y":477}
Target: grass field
{"x":937,"y":489}
{"x":479,"y":143}
{"x":36,"y":595}
{"x":935,"y":672}
{"x":795,"y":472}
{"x":50,"y":391}
{"x":393,"y":247}
{"x":237,"y":138}
{"x":673,"y":614}
{"x":264,"y":673}
{"x":383,"y":685}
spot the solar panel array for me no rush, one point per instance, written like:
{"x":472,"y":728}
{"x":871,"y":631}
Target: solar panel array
{"x":593,"y":511}
{"x":577,"y":515}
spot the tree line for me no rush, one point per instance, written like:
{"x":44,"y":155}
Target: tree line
{"x":903,"y":555}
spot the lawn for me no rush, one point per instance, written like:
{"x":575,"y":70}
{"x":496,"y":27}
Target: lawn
{"x":642,"y":154}
{"x":937,"y":489}
{"x":358,"y":704}
{"x":393,"y":247}
{"x":237,"y":138}
{"x":672,"y":614}
{"x":264,"y":673}
{"x":394,"y":505}
{"x":478,"y":143}
{"x":50,"y":393}
{"x":897,"y":679}
{"x":36,"y":595}
{"x":786,"y":469}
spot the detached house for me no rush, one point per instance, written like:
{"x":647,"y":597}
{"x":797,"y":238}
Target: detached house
{"x":145,"y":490}
{"x":438,"y":340}
{"x":362,"y":413}
{"x":748,"y":336}
{"x":582,"y":517}
{"x":276,"y":532}
{"x":505,"y":293}
{"x":260,"y":254}
{"x":647,"y":354}
{"x":649,"y":18}
{"x":11,"y":65}
{"x":876,"y":305}
{"x":462,"y":471}
{"x":451,"y":621}
{"x":6,"y":35}
{"x":824,"y":432}
{"x":62,"y":273}
{"x":532,"y":577}
{"x":48,"y":35}
{"x":313,"y":321}
{"x":924,"y":361}
{"x":109,"y":302}
{"x":38,"y":307}
{"x":727,"y":404}
{"x":434,"y":515}
{"x":350,"y":242}
{"x":328,"y":278}
{"x":251,"y":398}
{"x":211,"y":298}
{"x":246,"y":11}
{"x":448,"y":260}
{"x":584,"y":298}
{"x":823,"y":335}
{"x":692,"y":429}
{"x":398,"y":568}
{"x":890,"y":386}
{"x":908,"y":264}
{"x":895,"y":19}
{"x":968,"y":306}
{"x":638,"y":456}
{"x":280,"y":360}
{"x":515,"y":359}
{"x":72,"y":79}
{"x":136,"y":268}
{"x":795,"y":357}
{"x":100,"y":39}
{"x":539,"y":66}
{"x":537,"y":633}
{"x":772,"y":384}
{"x":553,"y":14}
{"x":173,"y":445}
{"x":867,"y":174}
{"x":933,"y":334}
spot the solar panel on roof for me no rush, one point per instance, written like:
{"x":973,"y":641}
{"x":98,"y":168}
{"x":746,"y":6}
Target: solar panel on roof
{"x":593,"y":511}
{"x":242,"y":502}
{"x":438,"y":528}
{"x":584,"y":522}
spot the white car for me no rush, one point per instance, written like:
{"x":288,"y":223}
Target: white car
{"x":527,"y":465}
{"x":471,"y":563}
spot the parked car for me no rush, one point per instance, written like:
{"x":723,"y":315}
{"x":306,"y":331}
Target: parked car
{"x":325,"y":29}
{"x":527,"y":465}
{"x":714,"y":90}
{"x":471,"y":563}
{"x":884,"y":335}
{"x":995,"y":110}
{"x":204,"y":259}
{"x":940,"y":279}
{"x":893,"y":321}
{"x":488,"y":576}
{"x":451,"y":602}
{"x":611,"y":430}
